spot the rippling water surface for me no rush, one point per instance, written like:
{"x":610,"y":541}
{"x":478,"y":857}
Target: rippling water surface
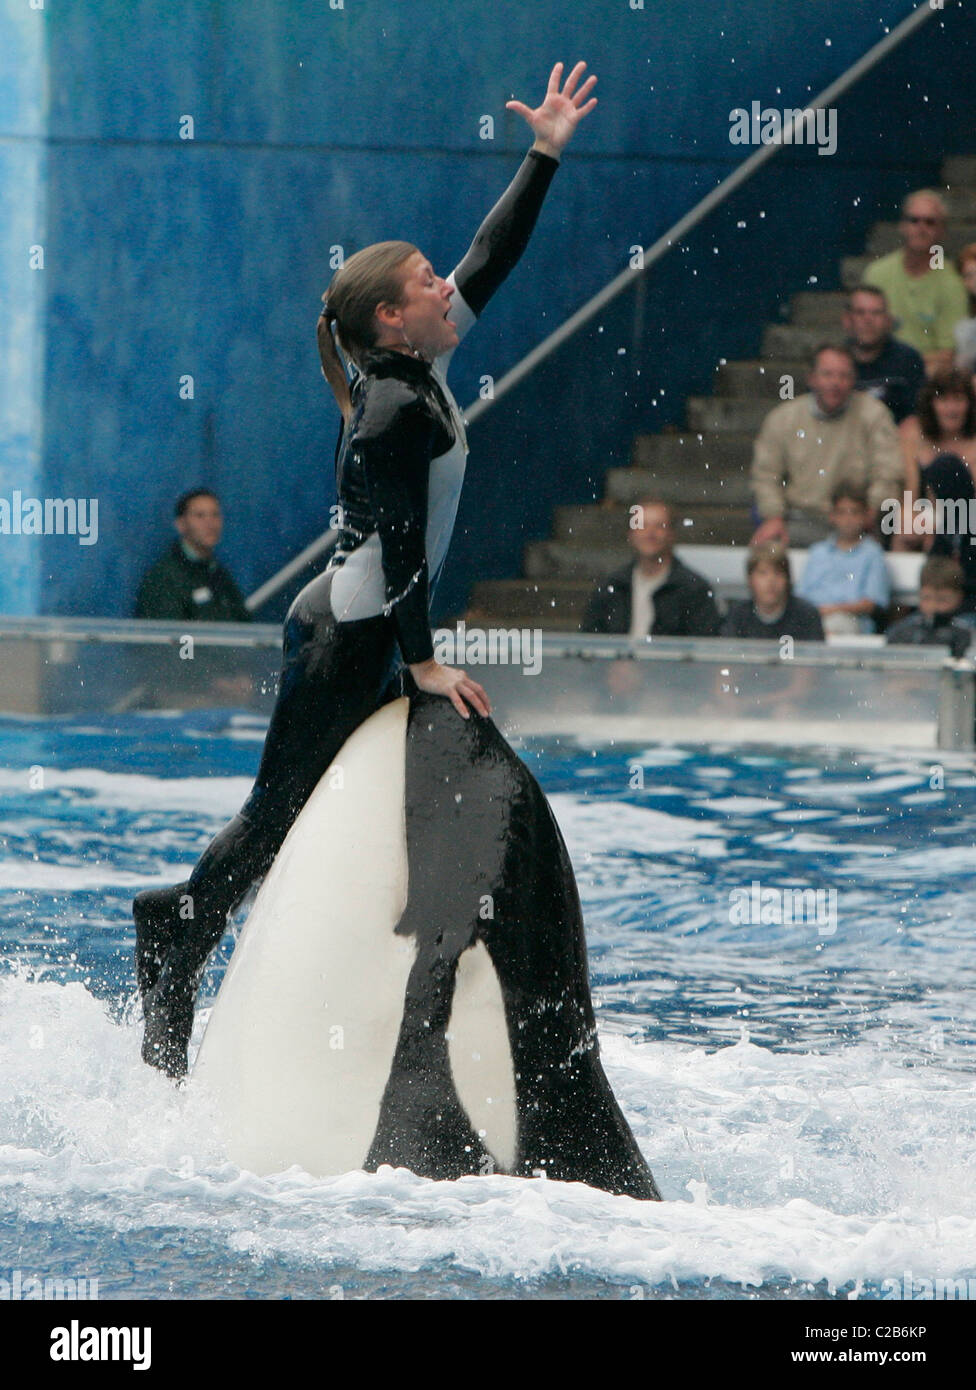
{"x":803,"y":1090}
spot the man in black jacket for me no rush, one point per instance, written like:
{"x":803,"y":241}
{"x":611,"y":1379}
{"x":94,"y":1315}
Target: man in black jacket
{"x":657,"y":594}
{"x":188,"y":583}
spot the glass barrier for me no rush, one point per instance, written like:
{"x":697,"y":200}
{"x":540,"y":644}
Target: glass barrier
{"x":700,"y":689}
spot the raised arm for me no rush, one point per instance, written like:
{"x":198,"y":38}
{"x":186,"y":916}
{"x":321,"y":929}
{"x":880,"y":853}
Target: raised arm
{"x":505,"y":232}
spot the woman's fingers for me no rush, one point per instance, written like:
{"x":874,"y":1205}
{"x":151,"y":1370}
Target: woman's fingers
{"x":573,"y":78}
{"x":476,"y":696}
{"x":554,"y":78}
{"x":580,"y":96}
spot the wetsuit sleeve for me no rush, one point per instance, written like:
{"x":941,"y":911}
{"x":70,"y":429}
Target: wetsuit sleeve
{"x":394,"y":441}
{"x":505,"y":232}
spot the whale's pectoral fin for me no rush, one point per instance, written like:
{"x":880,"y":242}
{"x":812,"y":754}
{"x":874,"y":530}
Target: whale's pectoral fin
{"x":488,"y":870}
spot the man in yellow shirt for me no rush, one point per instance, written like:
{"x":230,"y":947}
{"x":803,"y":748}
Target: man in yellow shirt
{"x":925,"y":297}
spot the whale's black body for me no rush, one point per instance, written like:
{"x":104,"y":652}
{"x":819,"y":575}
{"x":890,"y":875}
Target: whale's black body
{"x":486,"y":871}
{"x":487,"y":862}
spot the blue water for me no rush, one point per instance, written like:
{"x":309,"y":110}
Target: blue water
{"x":803,"y":1091}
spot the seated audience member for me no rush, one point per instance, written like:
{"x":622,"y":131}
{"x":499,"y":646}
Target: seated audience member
{"x":939,"y":619}
{"x":807,"y":446}
{"x":965,"y":334}
{"x":846,"y":577}
{"x":655,"y":595}
{"x":945,"y":422}
{"x":188,"y":583}
{"x":890,"y":371}
{"x":949,"y":488}
{"x":773,"y":611}
{"x":925,"y":301}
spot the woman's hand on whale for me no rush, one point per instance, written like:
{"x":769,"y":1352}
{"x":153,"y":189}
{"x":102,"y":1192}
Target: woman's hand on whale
{"x":555,"y":120}
{"x":436,"y":679}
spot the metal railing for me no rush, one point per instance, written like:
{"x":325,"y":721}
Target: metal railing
{"x":693,"y":689}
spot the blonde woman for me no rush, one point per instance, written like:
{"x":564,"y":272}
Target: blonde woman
{"x":400,"y":465}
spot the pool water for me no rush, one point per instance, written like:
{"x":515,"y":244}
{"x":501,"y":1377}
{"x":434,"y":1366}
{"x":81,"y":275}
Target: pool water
{"x":803,"y":1090}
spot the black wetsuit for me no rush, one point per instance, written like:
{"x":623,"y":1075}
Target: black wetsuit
{"x":400,"y":466}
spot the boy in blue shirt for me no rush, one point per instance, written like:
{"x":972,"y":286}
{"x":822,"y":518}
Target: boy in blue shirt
{"x":845,"y":576}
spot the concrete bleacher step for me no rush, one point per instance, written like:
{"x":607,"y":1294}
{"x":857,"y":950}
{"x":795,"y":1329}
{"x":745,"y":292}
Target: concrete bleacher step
{"x":590,"y":525}
{"x":675,"y":452}
{"x":959,"y":169}
{"x":789,"y":340}
{"x":698,"y":484}
{"x":818,"y":309}
{"x":560,"y":560}
{"x":852,"y":270}
{"x":554,"y":604}
{"x":607,"y":526}
{"x":712,"y":525}
{"x":962,"y":204}
{"x":760,"y":378}
{"x":708,"y":414}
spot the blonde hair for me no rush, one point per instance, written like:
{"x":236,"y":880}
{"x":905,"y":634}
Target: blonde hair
{"x":370,"y":277}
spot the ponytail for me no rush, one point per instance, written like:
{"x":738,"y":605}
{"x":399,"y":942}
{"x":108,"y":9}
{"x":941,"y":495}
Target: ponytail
{"x":332,"y":368}
{"x":370,"y":277}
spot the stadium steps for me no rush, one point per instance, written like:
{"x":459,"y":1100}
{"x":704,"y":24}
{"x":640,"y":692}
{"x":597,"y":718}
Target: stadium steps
{"x":701,"y":470}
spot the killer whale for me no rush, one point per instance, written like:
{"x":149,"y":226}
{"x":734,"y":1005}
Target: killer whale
{"x":410,"y":987}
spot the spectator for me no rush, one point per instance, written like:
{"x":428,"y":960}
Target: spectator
{"x":773,"y":611}
{"x":926,"y":301}
{"x":806,"y":446}
{"x":939,"y":618}
{"x":945,"y":423}
{"x":188,"y":583}
{"x":949,"y":487}
{"x":846,"y":576}
{"x":656,"y":595}
{"x":965,"y":334}
{"x":890,"y":371}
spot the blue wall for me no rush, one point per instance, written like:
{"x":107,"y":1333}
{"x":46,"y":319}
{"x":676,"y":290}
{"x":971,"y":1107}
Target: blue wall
{"x":317,"y":126}
{"x":23,"y":294}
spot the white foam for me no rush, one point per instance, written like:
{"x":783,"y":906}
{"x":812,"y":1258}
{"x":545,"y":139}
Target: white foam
{"x":601,"y":826}
{"x":856,"y":1165}
{"x":220,"y":796}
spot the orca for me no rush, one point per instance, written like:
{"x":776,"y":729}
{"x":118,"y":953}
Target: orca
{"x":410,"y":987}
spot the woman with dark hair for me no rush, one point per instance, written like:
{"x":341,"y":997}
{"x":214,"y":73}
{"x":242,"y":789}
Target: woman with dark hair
{"x":949,"y":488}
{"x":400,"y":463}
{"x":944,"y":422}
{"x":965,"y":330}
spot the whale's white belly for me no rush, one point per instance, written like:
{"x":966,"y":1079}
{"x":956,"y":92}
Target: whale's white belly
{"x":301,"y":1040}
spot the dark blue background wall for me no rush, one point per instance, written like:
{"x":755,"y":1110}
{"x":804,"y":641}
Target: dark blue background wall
{"x":317,"y":126}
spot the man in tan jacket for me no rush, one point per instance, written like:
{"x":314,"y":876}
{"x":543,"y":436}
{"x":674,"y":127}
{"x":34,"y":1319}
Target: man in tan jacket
{"x":807,"y":446}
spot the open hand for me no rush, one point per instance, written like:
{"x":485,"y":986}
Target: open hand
{"x":555,"y":120}
{"x":456,"y":685}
